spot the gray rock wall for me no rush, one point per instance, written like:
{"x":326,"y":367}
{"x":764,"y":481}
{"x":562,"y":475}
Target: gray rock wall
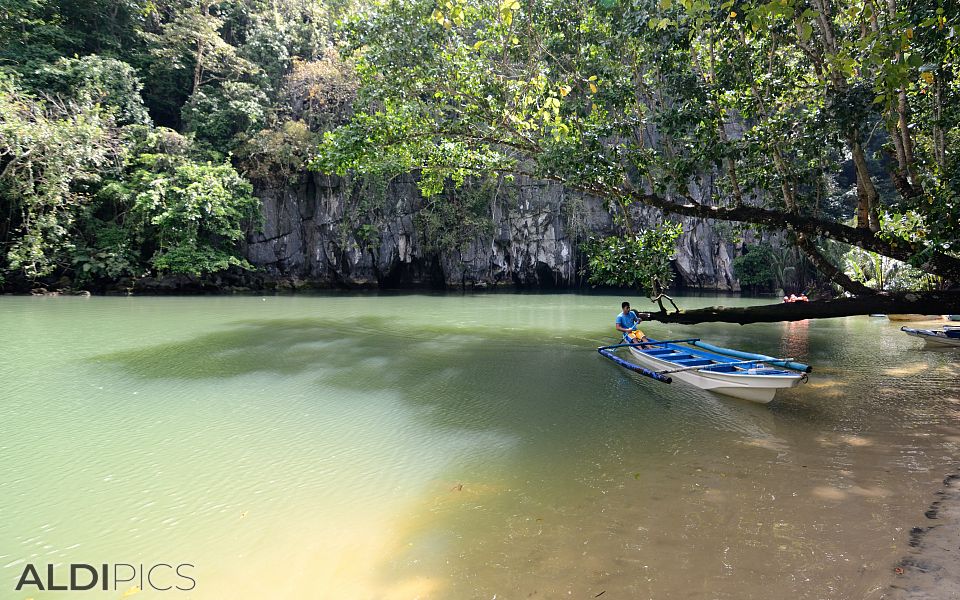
{"x":314,"y":232}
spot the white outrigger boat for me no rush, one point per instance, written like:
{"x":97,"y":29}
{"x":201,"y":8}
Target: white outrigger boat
{"x":937,"y":338}
{"x":754,"y":377}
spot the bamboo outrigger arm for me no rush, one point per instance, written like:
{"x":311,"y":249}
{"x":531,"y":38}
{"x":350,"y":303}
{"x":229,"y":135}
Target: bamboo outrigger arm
{"x":605,"y":352}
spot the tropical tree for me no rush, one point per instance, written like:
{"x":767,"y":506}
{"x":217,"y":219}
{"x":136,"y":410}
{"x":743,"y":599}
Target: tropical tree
{"x":182,"y":215}
{"x":755,"y":267}
{"x":639,"y":260}
{"x":51,"y":154}
{"x":737,"y":111}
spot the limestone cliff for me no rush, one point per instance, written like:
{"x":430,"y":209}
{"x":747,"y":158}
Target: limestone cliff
{"x":313,"y":231}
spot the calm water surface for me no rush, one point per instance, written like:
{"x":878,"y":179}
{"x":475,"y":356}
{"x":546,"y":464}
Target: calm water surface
{"x":413,"y":446}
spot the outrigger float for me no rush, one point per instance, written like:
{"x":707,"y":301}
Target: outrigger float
{"x":754,"y":377}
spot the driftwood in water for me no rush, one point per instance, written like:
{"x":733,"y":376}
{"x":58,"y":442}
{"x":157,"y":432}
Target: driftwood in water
{"x":925,"y":303}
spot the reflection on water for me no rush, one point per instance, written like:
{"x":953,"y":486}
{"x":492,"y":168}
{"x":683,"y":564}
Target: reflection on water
{"x":795,"y":339}
{"x":456,"y":447}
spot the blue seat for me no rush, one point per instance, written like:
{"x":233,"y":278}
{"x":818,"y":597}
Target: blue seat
{"x":693,"y":362}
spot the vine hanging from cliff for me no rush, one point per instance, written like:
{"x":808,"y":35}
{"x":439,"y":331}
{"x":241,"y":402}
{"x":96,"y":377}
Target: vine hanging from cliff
{"x":459,"y":217}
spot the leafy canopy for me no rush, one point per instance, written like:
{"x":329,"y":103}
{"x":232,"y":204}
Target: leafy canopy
{"x":754,"y":268}
{"x":637,"y":261}
{"x":799,"y":113}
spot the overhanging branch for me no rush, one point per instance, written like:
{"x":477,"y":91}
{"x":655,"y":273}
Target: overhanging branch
{"x":925,"y":303}
{"x":939,"y":263}
{"x":895,"y":247}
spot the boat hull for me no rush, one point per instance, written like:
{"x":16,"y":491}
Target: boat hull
{"x":755,"y":388}
{"x":931,"y":338}
{"x":913,"y":317}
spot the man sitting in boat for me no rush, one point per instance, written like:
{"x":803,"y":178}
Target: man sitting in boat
{"x":627,"y":324}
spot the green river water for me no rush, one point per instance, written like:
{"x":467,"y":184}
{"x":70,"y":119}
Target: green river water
{"x":455,"y":447}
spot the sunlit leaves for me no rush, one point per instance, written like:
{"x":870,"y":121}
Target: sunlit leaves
{"x":635,"y":261}
{"x":507,"y":10}
{"x":449,"y":14}
{"x":192,"y":214}
{"x":716,"y":102}
{"x":50,"y":155}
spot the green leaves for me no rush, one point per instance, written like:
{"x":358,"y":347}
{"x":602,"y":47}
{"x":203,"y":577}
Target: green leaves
{"x":450,"y":13}
{"x":193,"y":215}
{"x":635,"y":261}
{"x":507,"y":9}
{"x":52,"y":155}
{"x":79,"y":155}
{"x":218,"y":114}
{"x":726,"y":103}
{"x":884,"y":274}
{"x":659,"y":24}
{"x":112,"y":84}
{"x":754,"y":268}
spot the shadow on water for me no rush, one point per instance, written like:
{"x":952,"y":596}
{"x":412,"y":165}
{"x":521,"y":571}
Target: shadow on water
{"x":513,"y":380}
{"x":288,"y":346}
{"x":499,"y":379}
{"x":466,"y":377}
{"x":548,"y":391}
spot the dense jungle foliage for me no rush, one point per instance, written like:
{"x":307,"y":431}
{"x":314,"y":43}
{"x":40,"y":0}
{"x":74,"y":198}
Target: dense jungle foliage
{"x":130,"y":129}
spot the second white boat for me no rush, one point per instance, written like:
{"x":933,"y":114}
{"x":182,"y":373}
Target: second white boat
{"x":949,"y":336}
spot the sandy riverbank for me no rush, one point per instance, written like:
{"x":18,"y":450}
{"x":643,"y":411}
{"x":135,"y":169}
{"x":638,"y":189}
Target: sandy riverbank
{"x":931,"y":569}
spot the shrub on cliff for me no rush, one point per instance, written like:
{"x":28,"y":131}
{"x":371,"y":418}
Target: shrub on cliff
{"x":754,"y":268}
{"x":639,"y":261}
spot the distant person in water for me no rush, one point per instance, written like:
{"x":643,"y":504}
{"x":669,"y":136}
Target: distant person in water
{"x":627,"y":324}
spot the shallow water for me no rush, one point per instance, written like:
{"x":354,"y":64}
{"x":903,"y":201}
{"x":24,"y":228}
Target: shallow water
{"x":450,"y":446}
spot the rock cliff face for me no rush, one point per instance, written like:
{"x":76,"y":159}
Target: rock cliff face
{"x":313,"y":232}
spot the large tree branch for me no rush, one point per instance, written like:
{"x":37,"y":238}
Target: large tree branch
{"x":891,"y":246}
{"x":937,"y":262}
{"x":829,"y":269}
{"x":926,"y":303}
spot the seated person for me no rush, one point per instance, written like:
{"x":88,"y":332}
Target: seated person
{"x":627,"y":324}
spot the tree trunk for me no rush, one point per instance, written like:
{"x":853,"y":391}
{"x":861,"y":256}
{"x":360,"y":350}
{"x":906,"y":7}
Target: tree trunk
{"x":722,"y":132}
{"x":829,"y":269}
{"x":198,"y":67}
{"x":939,"y":139}
{"x":927,"y":303}
{"x":868,"y":198}
{"x":905,"y":179}
{"x":867,"y":195}
{"x":903,"y":122}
